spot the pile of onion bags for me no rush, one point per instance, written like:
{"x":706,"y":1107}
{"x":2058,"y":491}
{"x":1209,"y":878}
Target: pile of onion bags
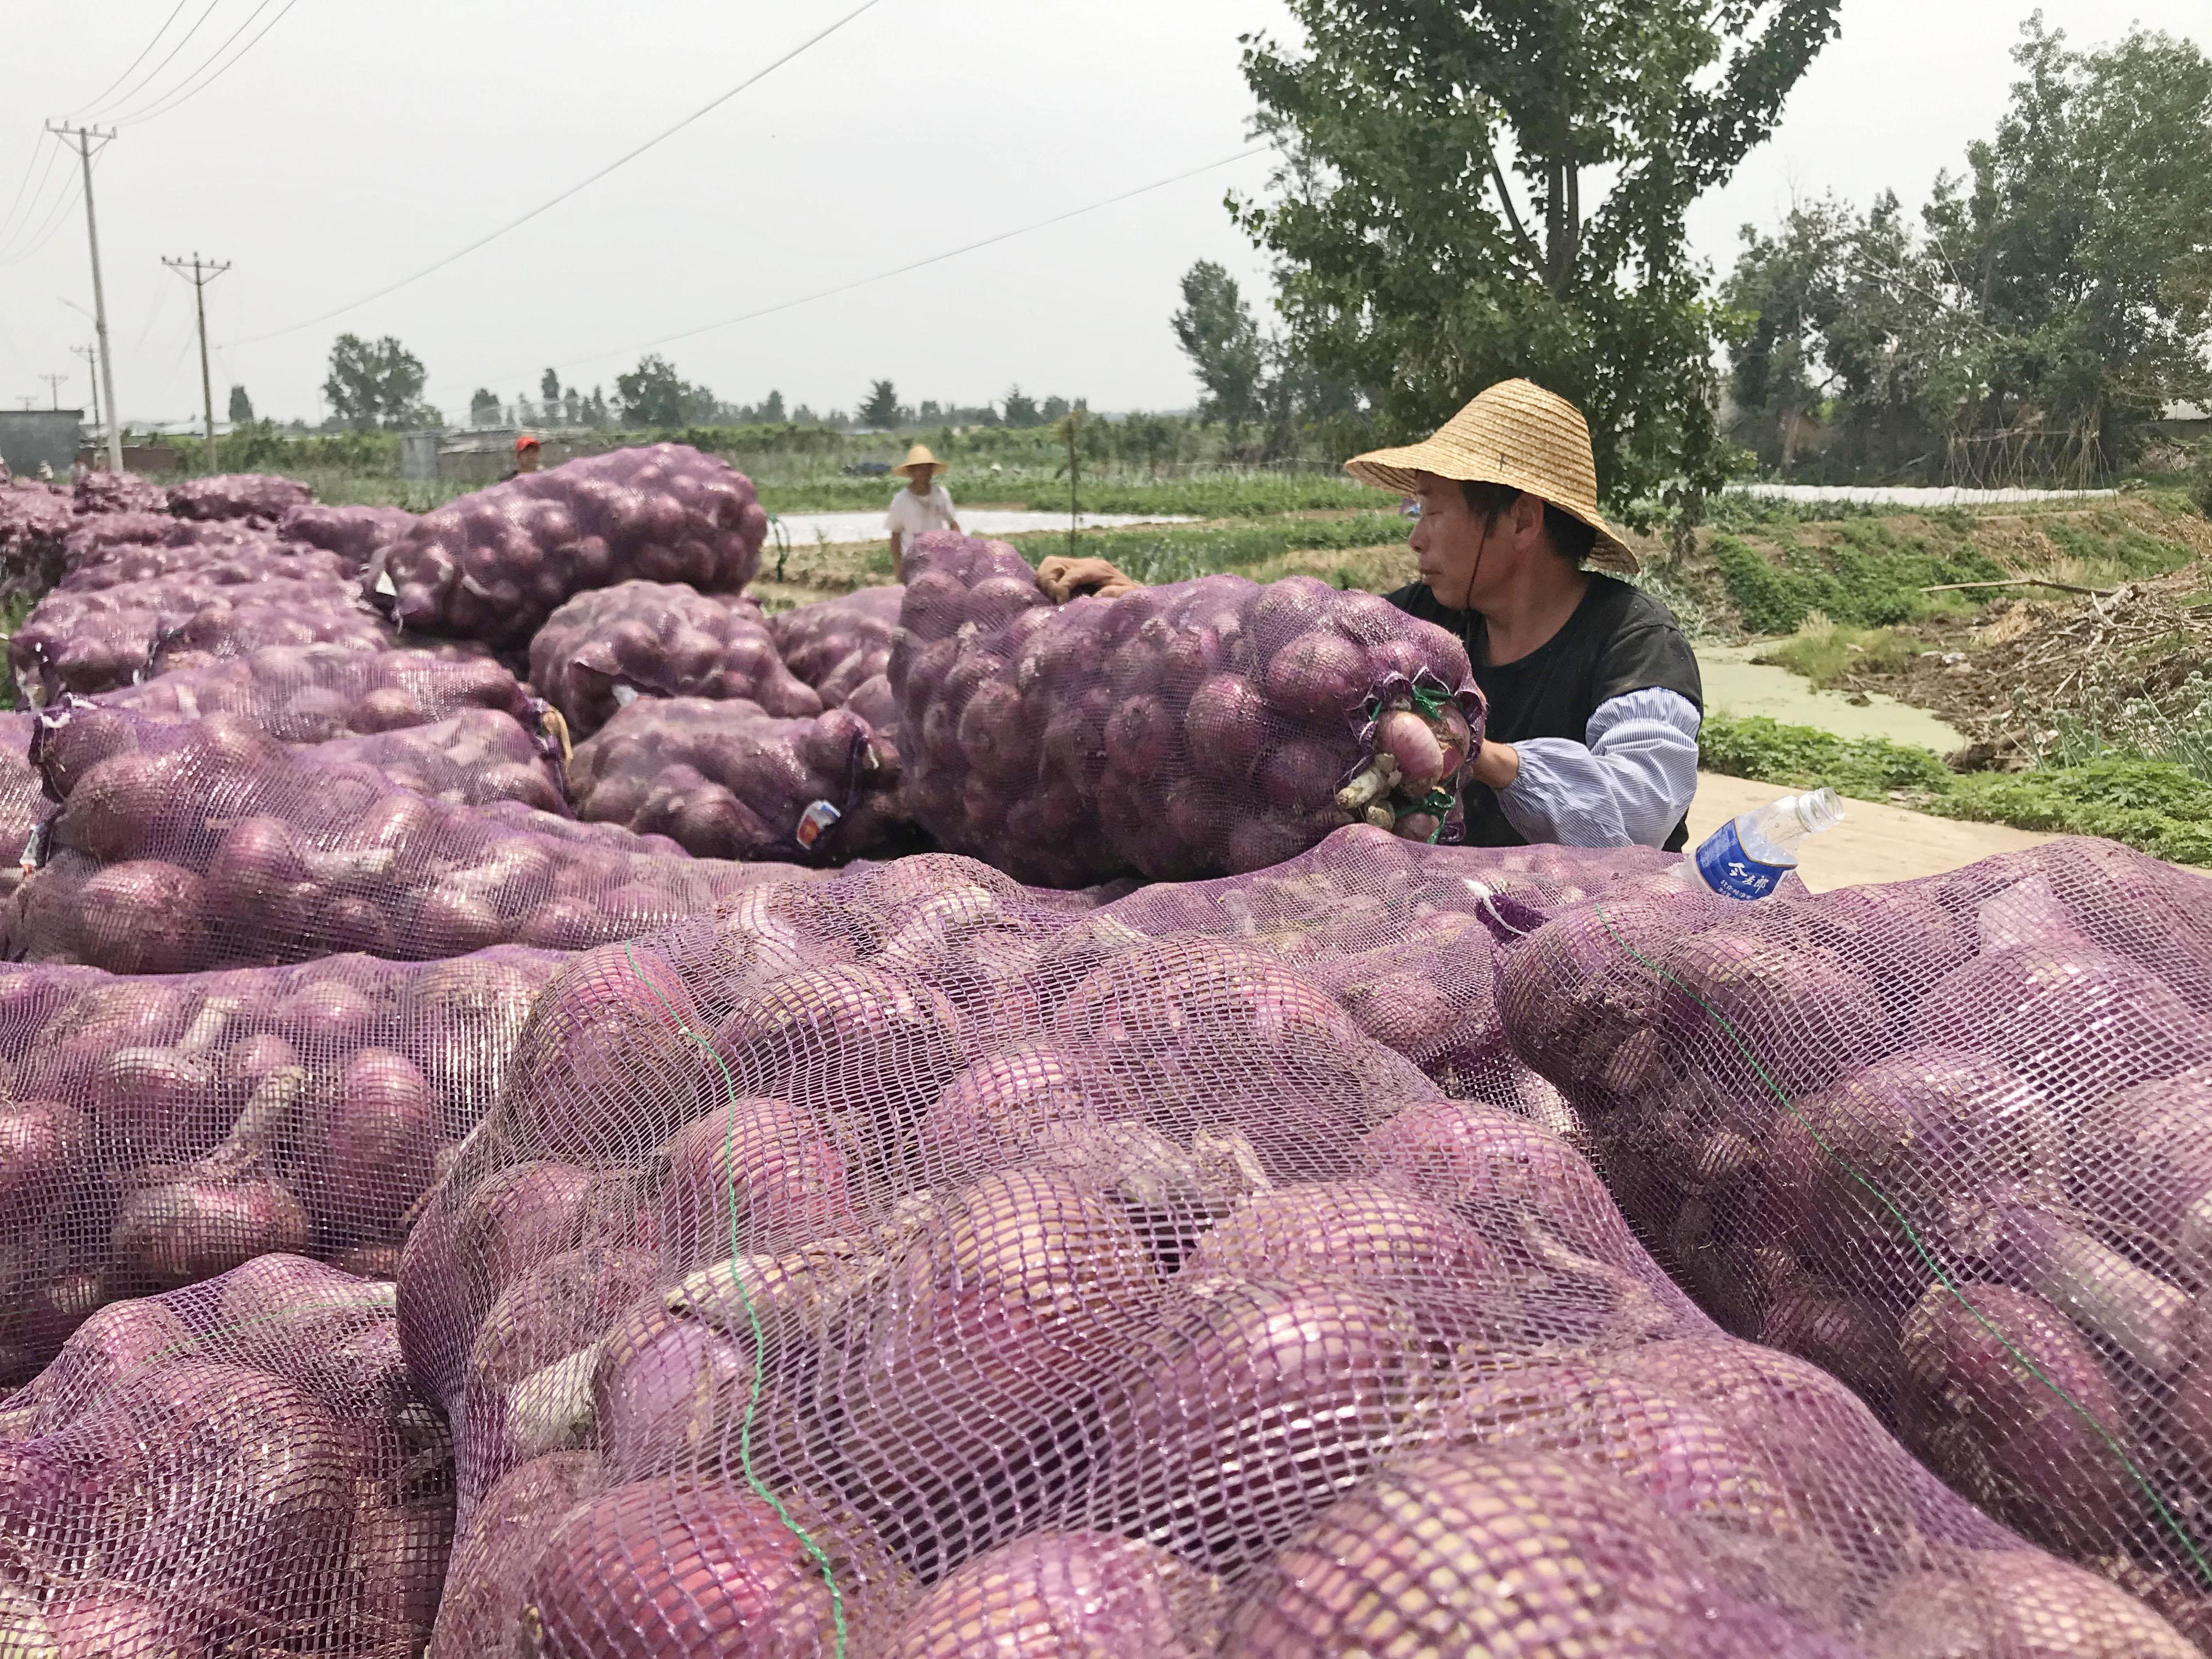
{"x":254,"y":496}
{"x":238,"y":1467}
{"x":23,"y":801}
{"x":1147,"y":1302}
{"x":353,"y":533}
{"x":34,"y":527}
{"x":493,"y":566}
{"x":214,"y":555}
{"x":93,"y":641}
{"x":313,"y":693}
{"x":119,"y":492}
{"x":1950,"y":1138}
{"x":611,"y":835}
{"x":472,"y":759}
{"x":838,"y":644}
{"x":1198,"y":729}
{"x":729,"y":780}
{"x":181,"y":847}
{"x":158,"y":1132}
{"x":605,"y":648}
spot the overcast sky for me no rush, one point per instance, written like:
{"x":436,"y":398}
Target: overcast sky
{"x":359,"y":143}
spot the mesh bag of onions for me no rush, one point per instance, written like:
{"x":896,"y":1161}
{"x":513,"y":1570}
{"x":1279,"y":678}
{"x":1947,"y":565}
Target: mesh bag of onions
{"x":1950,"y":1139}
{"x":729,"y":780}
{"x":119,"y":492}
{"x":239,"y":1468}
{"x":158,"y":1132}
{"x":34,"y":527}
{"x":838,"y":644}
{"x":184,"y":846}
{"x":353,"y":533}
{"x":473,"y":758}
{"x":603,"y":649}
{"x":23,"y":803}
{"x":106,"y":553}
{"x":259,"y":497}
{"x":1202,"y":728}
{"x":495,"y":565}
{"x":313,"y":693}
{"x":93,"y":641}
{"x":902,"y":1264}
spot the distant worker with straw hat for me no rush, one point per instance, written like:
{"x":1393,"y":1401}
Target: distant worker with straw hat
{"x":1595,"y":697}
{"x":923,"y":505}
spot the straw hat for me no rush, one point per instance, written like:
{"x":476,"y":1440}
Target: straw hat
{"x":918,"y":456}
{"x":1518,"y":434}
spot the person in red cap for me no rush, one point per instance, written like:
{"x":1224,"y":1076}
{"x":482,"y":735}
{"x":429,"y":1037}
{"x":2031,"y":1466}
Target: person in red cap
{"x":525,"y":456}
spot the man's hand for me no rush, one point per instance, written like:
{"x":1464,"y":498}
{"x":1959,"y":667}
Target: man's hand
{"x":1496,"y":764}
{"x":1062,"y":579}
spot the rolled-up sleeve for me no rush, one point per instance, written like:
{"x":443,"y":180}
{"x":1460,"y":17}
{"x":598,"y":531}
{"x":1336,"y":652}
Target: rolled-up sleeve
{"x":1627,"y":784}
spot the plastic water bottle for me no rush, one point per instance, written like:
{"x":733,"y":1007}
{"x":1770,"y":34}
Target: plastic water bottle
{"x":1746,"y":857}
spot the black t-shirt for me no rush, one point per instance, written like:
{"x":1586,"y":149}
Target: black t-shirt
{"x":1618,"y":640}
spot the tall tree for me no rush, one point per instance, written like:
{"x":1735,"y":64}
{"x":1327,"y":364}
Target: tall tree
{"x":1216,"y":331}
{"x":881,"y":406}
{"x":1430,"y":222}
{"x":483,"y":407}
{"x":241,"y":406}
{"x":373,"y":384}
{"x":549,"y":388}
{"x":1022,"y":408}
{"x":772,"y":411}
{"x":653,"y":394}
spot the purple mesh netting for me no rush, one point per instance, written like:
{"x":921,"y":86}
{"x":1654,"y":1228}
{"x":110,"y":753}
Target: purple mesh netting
{"x":181,"y":847}
{"x":119,"y":492}
{"x":240,"y":1467}
{"x":727,"y":781}
{"x":1948,"y":1139}
{"x":34,"y":527}
{"x":899,"y":1264}
{"x":838,"y":644}
{"x":158,"y":1132}
{"x":470,"y":760}
{"x":604,"y":648}
{"x":1202,"y":728}
{"x":354,"y":534}
{"x":23,"y":802}
{"x":493,"y":566}
{"x":256,"y":496}
{"x":214,"y":555}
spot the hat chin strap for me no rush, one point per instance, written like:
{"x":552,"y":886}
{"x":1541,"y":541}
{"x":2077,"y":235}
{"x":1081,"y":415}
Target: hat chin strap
{"x":1466,"y":596}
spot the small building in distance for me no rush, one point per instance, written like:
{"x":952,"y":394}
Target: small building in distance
{"x":472,"y":455}
{"x":28,"y":436}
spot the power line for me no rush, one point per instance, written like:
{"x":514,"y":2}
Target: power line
{"x":174,"y":13}
{"x":183,"y":40}
{"x":30,"y":163}
{"x":917,"y":264}
{"x":30,"y":203}
{"x":84,"y":137}
{"x":620,"y":161}
{"x":57,"y":217}
{"x":192,"y":90}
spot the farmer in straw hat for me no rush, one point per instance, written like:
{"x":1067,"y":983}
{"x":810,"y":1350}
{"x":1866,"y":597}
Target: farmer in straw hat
{"x":923,"y":505}
{"x":1595,"y":698}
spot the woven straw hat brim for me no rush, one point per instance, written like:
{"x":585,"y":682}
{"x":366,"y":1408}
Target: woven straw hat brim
{"x":918,"y":456}
{"x":1518,"y":434}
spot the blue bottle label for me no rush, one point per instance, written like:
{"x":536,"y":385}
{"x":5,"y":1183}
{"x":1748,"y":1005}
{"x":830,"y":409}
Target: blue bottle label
{"x":1728,"y":869}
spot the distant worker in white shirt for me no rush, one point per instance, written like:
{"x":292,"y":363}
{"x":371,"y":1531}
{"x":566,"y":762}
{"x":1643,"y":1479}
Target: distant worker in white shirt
{"x":922,"y":505}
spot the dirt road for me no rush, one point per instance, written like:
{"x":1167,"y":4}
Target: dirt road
{"x":1874,"y":843}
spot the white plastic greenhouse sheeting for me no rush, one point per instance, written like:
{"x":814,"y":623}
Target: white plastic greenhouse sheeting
{"x":805,"y":529}
{"x":1900,"y":496}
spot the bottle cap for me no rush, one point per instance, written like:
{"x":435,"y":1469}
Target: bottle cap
{"x":1822,"y":809}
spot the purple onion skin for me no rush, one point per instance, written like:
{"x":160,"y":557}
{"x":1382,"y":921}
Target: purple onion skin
{"x":755,"y":1174}
{"x":1094,"y":1593}
{"x":478,"y":1613}
{"x":186,"y":1231}
{"x":377,"y":1149}
{"x":657,"y":1570}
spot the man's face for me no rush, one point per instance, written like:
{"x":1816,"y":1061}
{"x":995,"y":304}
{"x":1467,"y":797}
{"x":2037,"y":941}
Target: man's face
{"x":526,"y":460}
{"x":1447,"y":539}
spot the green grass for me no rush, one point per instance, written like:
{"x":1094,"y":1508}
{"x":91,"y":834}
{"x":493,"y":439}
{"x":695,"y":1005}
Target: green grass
{"x":1824,"y":654}
{"x":1873,"y":578}
{"x":2160,"y":806}
{"x":1044,"y":489}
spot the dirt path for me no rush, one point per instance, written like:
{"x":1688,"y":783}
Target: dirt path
{"x":1874,"y":843}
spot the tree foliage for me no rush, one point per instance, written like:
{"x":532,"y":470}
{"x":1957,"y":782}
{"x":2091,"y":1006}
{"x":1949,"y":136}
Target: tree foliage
{"x":1431,"y":221}
{"x":372,"y":386}
{"x":880,"y":408}
{"x":2050,"y":301}
{"x":1218,"y":332}
{"x":653,"y":394}
{"x":241,"y":406}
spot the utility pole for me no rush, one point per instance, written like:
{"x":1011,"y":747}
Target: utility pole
{"x":84,"y":137}
{"x":54,"y":387}
{"x":91,"y":356}
{"x":203,"y":274}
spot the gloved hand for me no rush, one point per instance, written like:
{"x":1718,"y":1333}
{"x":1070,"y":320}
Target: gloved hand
{"x":1062,"y":579}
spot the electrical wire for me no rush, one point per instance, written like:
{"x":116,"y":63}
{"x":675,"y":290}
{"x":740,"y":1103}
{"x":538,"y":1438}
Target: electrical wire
{"x":192,"y":90}
{"x":183,"y":41}
{"x":175,"y":12}
{"x":916,"y":265}
{"x":30,"y":163}
{"x":9,"y":228}
{"x":553,"y":202}
{"x":72,"y":193}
